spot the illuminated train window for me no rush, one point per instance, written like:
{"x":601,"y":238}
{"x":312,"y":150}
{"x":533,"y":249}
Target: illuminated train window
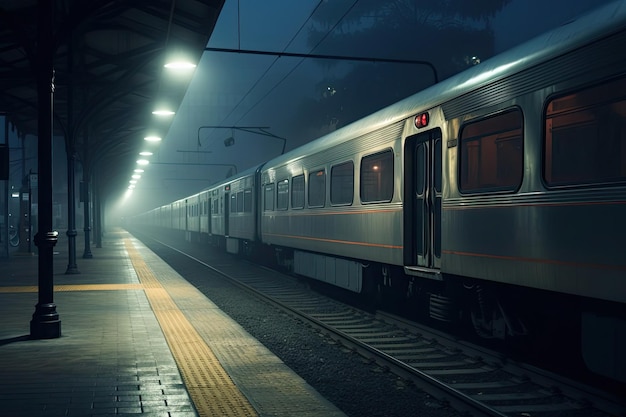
{"x":492,"y":153}
{"x":240,"y":202}
{"x":247,"y":200}
{"x":342,"y":183}
{"x":317,"y":188}
{"x":377,"y":177}
{"x":282,"y":195}
{"x":233,"y":203}
{"x":585,"y":136}
{"x":297,"y":192}
{"x":268,"y":197}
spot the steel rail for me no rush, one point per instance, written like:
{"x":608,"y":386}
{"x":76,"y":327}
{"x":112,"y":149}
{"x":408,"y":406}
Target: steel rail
{"x":437,"y":389}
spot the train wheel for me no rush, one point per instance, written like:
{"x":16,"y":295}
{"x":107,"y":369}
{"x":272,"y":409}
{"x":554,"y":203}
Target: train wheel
{"x":491,"y":320}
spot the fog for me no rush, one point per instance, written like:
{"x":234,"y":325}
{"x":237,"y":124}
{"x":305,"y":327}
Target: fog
{"x":300,"y":99}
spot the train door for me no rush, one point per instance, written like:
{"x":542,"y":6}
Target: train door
{"x":199,"y":213}
{"x":422,"y":216}
{"x":186,"y":214}
{"x":226,"y":206}
{"x":209,"y":214}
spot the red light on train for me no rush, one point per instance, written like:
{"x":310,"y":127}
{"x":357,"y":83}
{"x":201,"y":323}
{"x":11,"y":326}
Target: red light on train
{"x":227,"y":187}
{"x":421,"y":120}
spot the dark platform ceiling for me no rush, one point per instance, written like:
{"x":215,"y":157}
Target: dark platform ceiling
{"x":108,"y":58}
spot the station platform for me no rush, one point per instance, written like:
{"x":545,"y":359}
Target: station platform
{"x":136,"y":339}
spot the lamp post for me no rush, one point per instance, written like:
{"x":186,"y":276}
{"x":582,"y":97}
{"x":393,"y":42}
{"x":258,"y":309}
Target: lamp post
{"x":259,"y":130}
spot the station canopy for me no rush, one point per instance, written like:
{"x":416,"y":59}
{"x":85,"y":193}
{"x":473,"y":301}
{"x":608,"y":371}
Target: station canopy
{"x":109,"y":59}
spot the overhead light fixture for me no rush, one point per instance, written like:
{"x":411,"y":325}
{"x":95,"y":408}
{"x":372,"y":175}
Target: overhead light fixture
{"x":152,"y":139}
{"x":136,"y":176}
{"x":180,"y":65}
{"x":145,"y":153}
{"x":138,"y":170}
{"x":230,"y":141}
{"x":163,"y":112}
{"x":132,"y":182}
{"x":143,"y":161}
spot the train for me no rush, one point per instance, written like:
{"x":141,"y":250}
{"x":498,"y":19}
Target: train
{"x":495,"y":198}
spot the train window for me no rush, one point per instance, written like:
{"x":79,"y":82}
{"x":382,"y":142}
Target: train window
{"x":585,"y":136}
{"x":342,"y":183}
{"x":268,"y":197}
{"x":282,"y":195}
{"x":240,"y":202}
{"x":317,"y":188}
{"x":247,"y":200}
{"x":492,"y":153}
{"x":233,"y":203}
{"x":377,"y":177}
{"x":297,"y":192}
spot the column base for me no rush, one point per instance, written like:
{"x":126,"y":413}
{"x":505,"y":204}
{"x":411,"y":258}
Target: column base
{"x":72,"y":270}
{"x":45,"y":323}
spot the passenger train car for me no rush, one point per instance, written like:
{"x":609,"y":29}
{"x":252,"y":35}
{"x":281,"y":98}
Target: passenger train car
{"x":487,"y":198}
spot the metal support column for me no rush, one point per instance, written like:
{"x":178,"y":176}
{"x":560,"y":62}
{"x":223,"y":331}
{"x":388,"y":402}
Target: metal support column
{"x":4,"y":179}
{"x":87,"y":198}
{"x":45,"y":323}
{"x":70,"y":149}
{"x":72,"y":267}
{"x":97,"y":212}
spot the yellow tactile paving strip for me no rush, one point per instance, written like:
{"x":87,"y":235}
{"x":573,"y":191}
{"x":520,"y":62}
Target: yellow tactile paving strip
{"x":67,"y":288}
{"x":209,"y":385}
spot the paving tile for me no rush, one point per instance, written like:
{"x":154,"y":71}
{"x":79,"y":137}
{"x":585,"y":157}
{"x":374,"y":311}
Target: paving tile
{"x":112,"y":358}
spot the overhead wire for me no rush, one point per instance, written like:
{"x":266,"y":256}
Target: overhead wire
{"x":295,"y":66}
{"x":270,"y":66}
{"x":301,"y":60}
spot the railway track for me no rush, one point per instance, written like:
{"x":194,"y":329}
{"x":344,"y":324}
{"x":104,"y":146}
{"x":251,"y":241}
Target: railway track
{"x":470,"y":379}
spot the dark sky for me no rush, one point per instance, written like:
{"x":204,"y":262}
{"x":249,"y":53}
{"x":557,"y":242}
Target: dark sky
{"x":251,"y":90}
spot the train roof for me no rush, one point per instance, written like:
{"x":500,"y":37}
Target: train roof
{"x":246,"y":173}
{"x":595,"y":25}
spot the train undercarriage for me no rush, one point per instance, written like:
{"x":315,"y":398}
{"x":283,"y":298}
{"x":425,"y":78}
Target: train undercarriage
{"x":535,"y":323}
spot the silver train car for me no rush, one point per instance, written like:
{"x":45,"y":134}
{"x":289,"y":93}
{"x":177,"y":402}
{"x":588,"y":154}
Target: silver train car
{"x":494,"y":192}
{"x":234,"y":212}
